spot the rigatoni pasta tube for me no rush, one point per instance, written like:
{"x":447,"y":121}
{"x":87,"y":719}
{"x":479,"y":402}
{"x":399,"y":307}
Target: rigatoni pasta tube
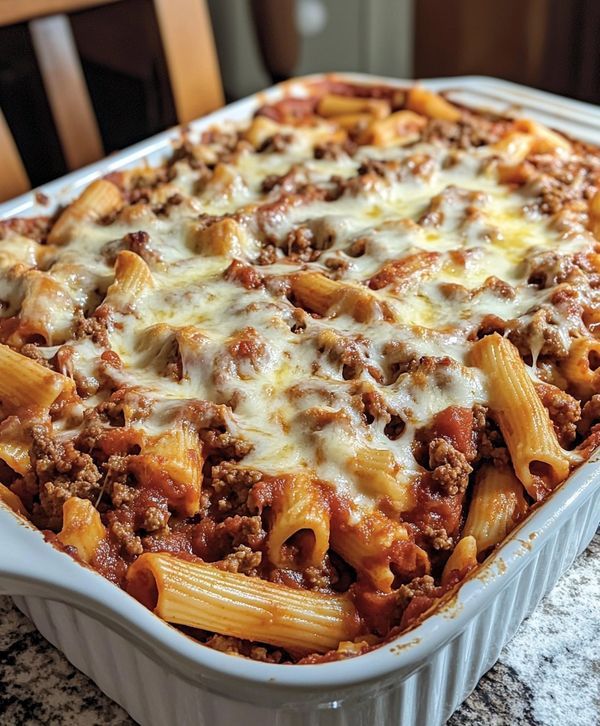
{"x":98,"y":200}
{"x":203,"y":596}
{"x":15,"y":444}
{"x":27,"y":384}
{"x":354,"y":121}
{"x":12,"y":500}
{"x":173,"y":463}
{"x":82,"y":527}
{"x":224,"y":237}
{"x":261,"y":129}
{"x":462,"y":559}
{"x":323,"y":296}
{"x":538,"y":460}
{"x":408,"y":269}
{"x":378,"y":473}
{"x":132,"y":279}
{"x":431,"y":104}
{"x":581,"y":367}
{"x":300,"y":509}
{"x":402,"y":127}
{"x":515,"y":146}
{"x":316,"y":292}
{"x":496,"y":506}
{"x":332,"y":104}
{"x":546,"y":140}
{"x":47,"y":311}
{"x":594,"y":214}
{"x":378,"y":548}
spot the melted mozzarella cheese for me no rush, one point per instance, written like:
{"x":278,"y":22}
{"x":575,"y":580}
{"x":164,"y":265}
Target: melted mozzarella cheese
{"x":279,"y":395}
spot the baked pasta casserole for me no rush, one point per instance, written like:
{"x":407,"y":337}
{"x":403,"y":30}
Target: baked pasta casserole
{"x":290,"y":387}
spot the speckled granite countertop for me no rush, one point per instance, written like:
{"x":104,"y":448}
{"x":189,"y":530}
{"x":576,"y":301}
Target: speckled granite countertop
{"x":549,"y":674}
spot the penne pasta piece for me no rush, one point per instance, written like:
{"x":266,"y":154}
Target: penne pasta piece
{"x":15,"y":446}
{"x":594,"y":214}
{"x":496,"y":506}
{"x":176,"y":352}
{"x":132,"y":279}
{"x":156,"y":340}
{"x":260,"y":130}
{"x":203,"y":596}
{"x":431,"y":104}
{"x":172,"y":463}
{"x":315,"y":291}
{"x":379,"y":549}
{"x":224,"y":237}
{"x":539,"y":461}
{"x":515,"y":173}
{"x":171,"y":350}
{"x":15,"y":454}
{"x":27,"y":384}
{"x":546,"y":140}
{"x":333,"y":105}
{"x":12,"y":501}
{"x":411,"y":268}
{"x":378,"y":473}
{"x":360,"y":304}
{"x":401,"y":127}
{"x":47,"y":311}
{"x":100,"y":199}
{"x":581,"y":367}
{"x":299,"y":511}
{"x":82,"y":527}
{"x":323,"y":296}
{"x":461,"y":561}
{"x":193,"y":347}
{"x":354,"y":121}
{"x":515,"y":146}
{"x":224,"y":182}
{"x":17,"y":249}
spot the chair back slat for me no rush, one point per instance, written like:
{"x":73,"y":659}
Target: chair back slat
{"x":188,"y":44}
{"x":66,"y":90}
{"x":13,"y":177}
{"x":21,"y":11}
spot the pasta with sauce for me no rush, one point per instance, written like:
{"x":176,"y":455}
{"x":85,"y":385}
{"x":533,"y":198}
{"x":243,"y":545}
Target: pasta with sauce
{"x":290,"y":388}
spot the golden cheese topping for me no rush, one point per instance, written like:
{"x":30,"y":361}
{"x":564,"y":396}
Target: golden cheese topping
{"x":421,"y":200}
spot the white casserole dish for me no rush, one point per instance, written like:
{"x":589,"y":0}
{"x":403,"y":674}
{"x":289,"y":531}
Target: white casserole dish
{"x":160,"y":676}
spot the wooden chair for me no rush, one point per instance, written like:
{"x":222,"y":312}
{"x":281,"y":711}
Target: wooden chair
{"x":188,"y":44}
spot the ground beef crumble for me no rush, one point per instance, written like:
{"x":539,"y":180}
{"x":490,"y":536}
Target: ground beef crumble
{"x":490,"y":444}
{"x":243,"y":560}
{"x":438,"y":537}
{"x":235,"y":646}
{"x":590,"y":415}
{"x":62,"y":472}
{"x":34,"y":352}
{"x":450,"y":468}
{"x":232,"y":485}
{"x":564,"y":412}
{"x":95,"y":327}
{"x":123,"y":532}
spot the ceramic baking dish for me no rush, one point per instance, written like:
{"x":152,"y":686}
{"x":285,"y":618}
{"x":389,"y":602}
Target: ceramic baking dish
{"x":161,"y":677}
